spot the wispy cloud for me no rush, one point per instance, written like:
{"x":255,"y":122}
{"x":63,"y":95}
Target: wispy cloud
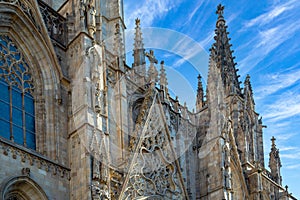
{"x":293,"y":166}
{"x":207,"y":40}
{"x":267,"y":41}
{"x":291,"y":155}
{"x":288,"y":105}
{"x":278,"y":81}
{"x":270,"y":15}
{"x":147,"y":11}
{"x":288,"y":148}
{"x":270,"y":30}
{"x":192,"y":14}
{"x":187,"y":48}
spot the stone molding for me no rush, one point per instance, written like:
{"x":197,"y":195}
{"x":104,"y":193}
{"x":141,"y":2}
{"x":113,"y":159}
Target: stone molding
{"x":33,"y":158}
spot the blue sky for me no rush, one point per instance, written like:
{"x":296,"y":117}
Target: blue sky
{"x":266,"y":42}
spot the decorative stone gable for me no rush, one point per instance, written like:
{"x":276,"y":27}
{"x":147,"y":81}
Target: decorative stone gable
{"x":153,"y":171}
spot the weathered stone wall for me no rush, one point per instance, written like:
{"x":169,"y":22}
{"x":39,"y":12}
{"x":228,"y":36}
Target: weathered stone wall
{"x":17,"y":161}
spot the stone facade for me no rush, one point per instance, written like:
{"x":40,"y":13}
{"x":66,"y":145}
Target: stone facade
{"x":105,"y":130}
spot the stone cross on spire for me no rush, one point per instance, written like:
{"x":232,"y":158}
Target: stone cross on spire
{"x":151,"y":57}
{"x":275,"y":163}
{"x":200,"y":95}
{"x":137,"y":21}
{"x":273,"y":141}
{"x":220,"y":10}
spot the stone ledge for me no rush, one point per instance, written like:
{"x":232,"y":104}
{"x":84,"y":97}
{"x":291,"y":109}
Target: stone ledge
{"x":33,"y":158}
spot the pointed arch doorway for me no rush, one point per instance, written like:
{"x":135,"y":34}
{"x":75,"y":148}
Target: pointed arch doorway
{"x":22,"y":188}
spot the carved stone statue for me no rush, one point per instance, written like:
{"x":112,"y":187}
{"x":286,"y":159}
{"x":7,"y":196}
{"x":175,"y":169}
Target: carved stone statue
{"x":91,"y":21}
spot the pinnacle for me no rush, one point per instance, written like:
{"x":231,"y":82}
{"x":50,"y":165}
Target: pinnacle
{"x":273,"y":139}
{"x":138,"y":40}
{"x":163,"y":77}
{"x":221,"y":54}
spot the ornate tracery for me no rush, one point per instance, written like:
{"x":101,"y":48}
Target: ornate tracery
{"x":17,"y":114}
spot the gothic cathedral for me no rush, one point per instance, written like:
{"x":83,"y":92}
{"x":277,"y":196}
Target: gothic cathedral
{"x":77,"y":122}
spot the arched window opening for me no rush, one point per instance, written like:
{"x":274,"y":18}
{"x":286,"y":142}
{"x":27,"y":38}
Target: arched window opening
{"x":17,"y":117}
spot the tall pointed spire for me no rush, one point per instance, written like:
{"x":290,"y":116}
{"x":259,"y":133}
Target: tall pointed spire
{"x":275,"y":163}
{"x":248,"y":93}
{"x":163,"y":81}
{"x":200,"y":95}
{"x":221,"y":54}
{"x":139,"y":51}
{"x":152,"y":71}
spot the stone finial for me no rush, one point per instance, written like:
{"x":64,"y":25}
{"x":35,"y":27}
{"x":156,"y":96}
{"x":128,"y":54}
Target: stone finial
{"x":137,"y":21}
{"x":139,"y":51}
{"x":138,"y":40}
{"x":200,"y":94}
{"x":221,"y":56}
{"x":273,"y":139}
{"x":163,"y":81}
{"x":152,"y":71}
{"x":220,"y":11}
{"x":152,"y":75}
{"x":274,"y":162}
{"x":151,"y":57}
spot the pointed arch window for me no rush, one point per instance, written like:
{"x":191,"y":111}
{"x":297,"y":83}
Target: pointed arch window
{"x":17,"y":115}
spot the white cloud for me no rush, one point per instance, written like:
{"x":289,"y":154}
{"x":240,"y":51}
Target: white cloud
{"x":191,"y":15}
{"x":291,"y":155}
{"x":288,"y":105}
{"x":188,"y":49}
{"x":207,"y":41}
{"x":269,"y":16}
{"x":267,"y":41}
{"x":277,"y":81}
{"x":293,"y":166}
{"x":147,"y":11}
{"x":288,"y":148}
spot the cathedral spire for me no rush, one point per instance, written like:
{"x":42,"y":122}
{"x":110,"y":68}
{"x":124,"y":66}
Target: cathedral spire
{"x":152,"y":71}
{"x":275,"y":163}
{"x":221,"y":54}
{"x":248,"y":93}
{"x":163,"y":81}
{"x":200,"y":95}
{"x":139,"y":51}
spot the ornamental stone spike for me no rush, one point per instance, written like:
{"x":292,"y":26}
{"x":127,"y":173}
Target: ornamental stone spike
{"x":221,"y":55}
{"x":139,"y":51}
{"x":275,"y":163}
{"x":200,"y":94}
{"x":163,"y":81}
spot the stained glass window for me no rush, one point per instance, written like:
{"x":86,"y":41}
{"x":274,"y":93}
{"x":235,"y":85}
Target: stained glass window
{"x":17,"y":118}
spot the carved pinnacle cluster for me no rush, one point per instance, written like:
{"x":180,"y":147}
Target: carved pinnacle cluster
{"x":221,"y":55}
{"x":248,"y":91}
{"x":200,"y":94}
{"x":274,"y":162}
{"x":138,"y":40}
{"x":163,"y":81}
{"x":139,"y":51}
{"x":152,"y":71}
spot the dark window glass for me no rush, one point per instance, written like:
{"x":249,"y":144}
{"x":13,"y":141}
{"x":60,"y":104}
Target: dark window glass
{"x":29,"y":104}
{"x":17,"y":118}
{"x":4,"y":110}
{"x":18,"y":135}
{"x":4,"y":91}
{"x":4,"y":129}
